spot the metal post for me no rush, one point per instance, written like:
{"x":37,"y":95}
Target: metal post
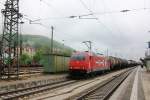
{"x":21,"y":38}
{"x":52,"y":39}
{"x":107,"y":53}
{"x":63,"y":53}
{"x":90,"y":46}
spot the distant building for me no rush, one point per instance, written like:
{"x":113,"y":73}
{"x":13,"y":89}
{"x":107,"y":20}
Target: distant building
{"x":28,"y":50}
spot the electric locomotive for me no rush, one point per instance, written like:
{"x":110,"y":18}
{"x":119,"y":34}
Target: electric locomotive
{"x":87,"y":62}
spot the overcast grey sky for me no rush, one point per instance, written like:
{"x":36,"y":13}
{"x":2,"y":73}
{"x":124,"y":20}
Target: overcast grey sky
{"x":123,"y":34}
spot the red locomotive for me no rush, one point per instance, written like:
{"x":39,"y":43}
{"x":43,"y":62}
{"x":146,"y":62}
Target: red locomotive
{"x":86,"y":62}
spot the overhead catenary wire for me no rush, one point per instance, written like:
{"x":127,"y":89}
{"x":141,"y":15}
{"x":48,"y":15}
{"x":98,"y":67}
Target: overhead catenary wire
{"x":118,"y":30}
{"x":51,"y":6}
{"x":93,"y":4}
{"x":32,"y":22}
{"x":42,"y":25}
{"x":35,"y":22}
{"x":26,"y":17}
{"x":111,"y":12}
{"x":84,"y":15}
{"x":144,"y":3}
{"x":139,"y":9}
{"x":92,"y":13}
{"x":96,"y":13}
{"x":55,"y":18}
{"x":86,"y":7}
{"x":114,"y":12}
{"x":102,"y":13}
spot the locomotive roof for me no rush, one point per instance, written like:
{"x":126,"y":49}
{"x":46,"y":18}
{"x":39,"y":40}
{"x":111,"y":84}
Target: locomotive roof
{"x":88,"y":53}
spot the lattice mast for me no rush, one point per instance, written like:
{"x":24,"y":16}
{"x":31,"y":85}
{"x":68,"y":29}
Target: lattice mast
{"x":10,"y":39}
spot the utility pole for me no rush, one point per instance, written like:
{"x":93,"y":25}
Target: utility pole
{"x":10,"y":43}
{"x":63,"y":53}
{"x":107,"y":52}
{"x":21,"y":41}
{"x":63,"y":46}
{"x":52,"y":28}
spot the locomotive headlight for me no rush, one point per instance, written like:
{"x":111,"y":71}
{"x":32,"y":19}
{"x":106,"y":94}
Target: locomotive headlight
{"x":70,"y":67}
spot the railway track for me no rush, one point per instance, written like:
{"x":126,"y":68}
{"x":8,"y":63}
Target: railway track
{"x":40,"y":88}
{"x":34,"y":89}
{"x":103,"y":90}
{"x":31,"y":70}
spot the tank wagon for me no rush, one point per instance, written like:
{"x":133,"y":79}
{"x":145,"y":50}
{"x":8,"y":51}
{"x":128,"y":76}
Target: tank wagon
{"x":87,"y":63}
{"x":117,"y":63}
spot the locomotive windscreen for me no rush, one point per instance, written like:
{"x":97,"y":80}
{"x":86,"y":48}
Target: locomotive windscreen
{"x":78,"y":57}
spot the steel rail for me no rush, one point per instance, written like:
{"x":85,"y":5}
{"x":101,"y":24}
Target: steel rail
{"x":11,"y":95}
{"x":103,"y":90}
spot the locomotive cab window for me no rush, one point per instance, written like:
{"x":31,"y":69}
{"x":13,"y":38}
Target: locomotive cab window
{"x":78,"y":57}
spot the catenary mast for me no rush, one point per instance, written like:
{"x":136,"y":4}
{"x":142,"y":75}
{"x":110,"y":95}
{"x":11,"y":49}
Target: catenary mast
{"x":9,"y":57}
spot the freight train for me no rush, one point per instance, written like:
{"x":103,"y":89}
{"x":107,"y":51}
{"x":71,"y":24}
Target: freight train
{"x":83,"y":63}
